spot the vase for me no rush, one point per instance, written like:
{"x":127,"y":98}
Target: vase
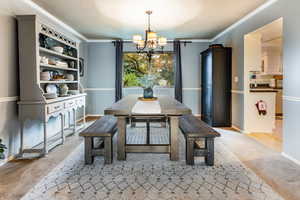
{"x":2,"y":156}
{"x":63,"y":90}
{"x":148,"y":93}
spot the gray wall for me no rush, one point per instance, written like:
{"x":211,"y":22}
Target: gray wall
{"x":101,"y":76}
{"x":289,"y":10}
{"x":9,"y":87}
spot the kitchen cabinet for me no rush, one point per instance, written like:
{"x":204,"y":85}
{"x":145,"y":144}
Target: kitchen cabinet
{"x":253,"y":52}
{"x":216,"y":86}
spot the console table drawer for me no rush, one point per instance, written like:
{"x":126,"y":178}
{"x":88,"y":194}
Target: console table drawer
{"x":69,"y":103}
{"x":55,"y":107}
{"x":80,"y":101}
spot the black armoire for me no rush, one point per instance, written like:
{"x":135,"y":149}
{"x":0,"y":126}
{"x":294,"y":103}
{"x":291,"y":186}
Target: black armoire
{"x":216,"y":86}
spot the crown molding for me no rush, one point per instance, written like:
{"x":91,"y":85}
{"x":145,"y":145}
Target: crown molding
{"x":112,"y":40}
{"x":99,"y":41}
{"x":197,"y":40}
{"x":76,"y":33}
{"x":244,"y":19}
{"x":52,"y":18}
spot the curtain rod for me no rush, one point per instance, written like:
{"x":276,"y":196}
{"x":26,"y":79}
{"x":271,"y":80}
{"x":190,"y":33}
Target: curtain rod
{"x":181,"y":41}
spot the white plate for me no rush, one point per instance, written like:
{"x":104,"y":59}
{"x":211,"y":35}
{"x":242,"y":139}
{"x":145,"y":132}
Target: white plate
{"x":50,"y":95}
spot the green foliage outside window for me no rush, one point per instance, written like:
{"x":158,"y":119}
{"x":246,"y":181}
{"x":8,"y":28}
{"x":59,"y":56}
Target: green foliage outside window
{"x":136,"y":66}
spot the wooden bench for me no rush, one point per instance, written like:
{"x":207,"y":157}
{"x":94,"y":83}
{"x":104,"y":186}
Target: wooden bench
{"x":195,"y":131}
{"x":103,"y":130}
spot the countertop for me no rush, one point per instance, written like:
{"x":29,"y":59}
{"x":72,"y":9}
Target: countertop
{"x":265,"y":89}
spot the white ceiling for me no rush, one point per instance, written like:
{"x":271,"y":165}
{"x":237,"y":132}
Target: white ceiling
{"x":109,"y":19}
{"x":98,"y":19}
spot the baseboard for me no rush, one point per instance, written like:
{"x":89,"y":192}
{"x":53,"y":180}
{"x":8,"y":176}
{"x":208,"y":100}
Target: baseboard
{"x":197,"y":115}
{"x":291,"y":158}
{"x":2,"y":162}
{"x":93,"y":115}
{"x":237,"y":128}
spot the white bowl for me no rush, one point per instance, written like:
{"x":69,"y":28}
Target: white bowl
{"x":58,"y":49}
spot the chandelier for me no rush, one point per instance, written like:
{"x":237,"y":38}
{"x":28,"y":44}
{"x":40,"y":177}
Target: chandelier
{"x":151,"y":41}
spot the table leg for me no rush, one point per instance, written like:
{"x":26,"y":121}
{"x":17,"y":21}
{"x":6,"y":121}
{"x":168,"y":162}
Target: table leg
{"x":45,"y":149}
{"x":75,"y":116}
{"x":148,"y":132}
{"x":21,"y":137}
{"x":84,"y":119}
{"x":62,"y":128}
{"x":174,"y":151}
{"x":69,"y":118}
{"x":121,"y":138}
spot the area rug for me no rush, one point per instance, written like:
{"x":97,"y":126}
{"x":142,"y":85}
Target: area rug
{"x":152,"y":176}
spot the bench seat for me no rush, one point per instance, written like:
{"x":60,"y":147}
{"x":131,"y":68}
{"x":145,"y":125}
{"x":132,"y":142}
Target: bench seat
{"x":194,"y":131}
{"x":103,"y":129}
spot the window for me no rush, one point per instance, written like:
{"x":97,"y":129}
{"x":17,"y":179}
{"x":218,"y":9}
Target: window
{"x":135,"y":66}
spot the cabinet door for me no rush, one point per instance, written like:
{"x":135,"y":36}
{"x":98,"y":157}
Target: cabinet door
{"x":253,"y":52}
{"x":206,"y":104}
{"x":221,"y":87}
{"x":206,"y":86}
{"x":206,"y":69}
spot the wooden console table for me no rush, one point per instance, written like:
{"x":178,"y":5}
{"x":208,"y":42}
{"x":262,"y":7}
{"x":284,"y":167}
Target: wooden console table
{"x":44,"y":111}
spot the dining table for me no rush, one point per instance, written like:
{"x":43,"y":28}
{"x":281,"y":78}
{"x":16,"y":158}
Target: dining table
{"x":166,"y":107}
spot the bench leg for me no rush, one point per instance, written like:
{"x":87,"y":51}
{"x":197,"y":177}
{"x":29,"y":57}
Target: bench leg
{"x":148,"y":132}
{"x":88,"y":145}
{"x":190,"y":151}
{"x":209,"y":145}
{"x":108,"y":150}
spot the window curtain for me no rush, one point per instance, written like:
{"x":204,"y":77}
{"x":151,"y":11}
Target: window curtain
{"x":119,"y":69}
{"x":178,"y":71}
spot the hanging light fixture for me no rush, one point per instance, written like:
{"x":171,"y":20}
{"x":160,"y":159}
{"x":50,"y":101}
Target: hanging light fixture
{"x":151,"y":41}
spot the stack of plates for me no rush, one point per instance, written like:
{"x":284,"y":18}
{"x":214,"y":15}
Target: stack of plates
{"x":50,"y":95}
{"x":45,"y":76}
{"x":73,"y":92}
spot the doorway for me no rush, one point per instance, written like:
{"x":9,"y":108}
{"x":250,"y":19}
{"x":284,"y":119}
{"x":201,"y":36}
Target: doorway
{"x":263,"y":75}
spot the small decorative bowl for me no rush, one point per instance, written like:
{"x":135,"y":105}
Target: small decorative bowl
{"x":58,"y":49}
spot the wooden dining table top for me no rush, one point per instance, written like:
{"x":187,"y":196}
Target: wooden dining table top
{"x":169,"y":106}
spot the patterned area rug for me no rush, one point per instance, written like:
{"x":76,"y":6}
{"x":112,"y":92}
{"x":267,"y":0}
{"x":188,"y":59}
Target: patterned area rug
{"x":152,"y":176}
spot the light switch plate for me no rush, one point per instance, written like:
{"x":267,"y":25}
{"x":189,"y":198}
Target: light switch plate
{"x":236,"y":79}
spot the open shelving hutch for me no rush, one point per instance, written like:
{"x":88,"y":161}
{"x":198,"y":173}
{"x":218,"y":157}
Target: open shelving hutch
{"x":36,"y":40}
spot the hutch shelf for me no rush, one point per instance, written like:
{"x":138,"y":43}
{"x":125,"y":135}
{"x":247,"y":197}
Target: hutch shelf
{"x":36,"y":44}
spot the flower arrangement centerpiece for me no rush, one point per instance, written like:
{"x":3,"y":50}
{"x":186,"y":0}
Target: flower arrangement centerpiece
{"x":2,"y":149}
{"x":148,"y":81}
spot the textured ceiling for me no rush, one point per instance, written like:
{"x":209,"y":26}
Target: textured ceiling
{"x":107,"y":19}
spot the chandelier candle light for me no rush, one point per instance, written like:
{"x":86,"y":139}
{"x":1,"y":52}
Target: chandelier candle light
{"x":152,"y":41}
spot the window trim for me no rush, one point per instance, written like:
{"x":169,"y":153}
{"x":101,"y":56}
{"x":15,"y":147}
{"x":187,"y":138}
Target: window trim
{"x":155,"y":52}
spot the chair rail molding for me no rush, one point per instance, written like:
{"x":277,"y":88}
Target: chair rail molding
{"x":291,"y":98}
{"x":191,"y":89}
{"x":99,"y":89}
{"x":8,"y":99}
{"x":237,"y":91}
